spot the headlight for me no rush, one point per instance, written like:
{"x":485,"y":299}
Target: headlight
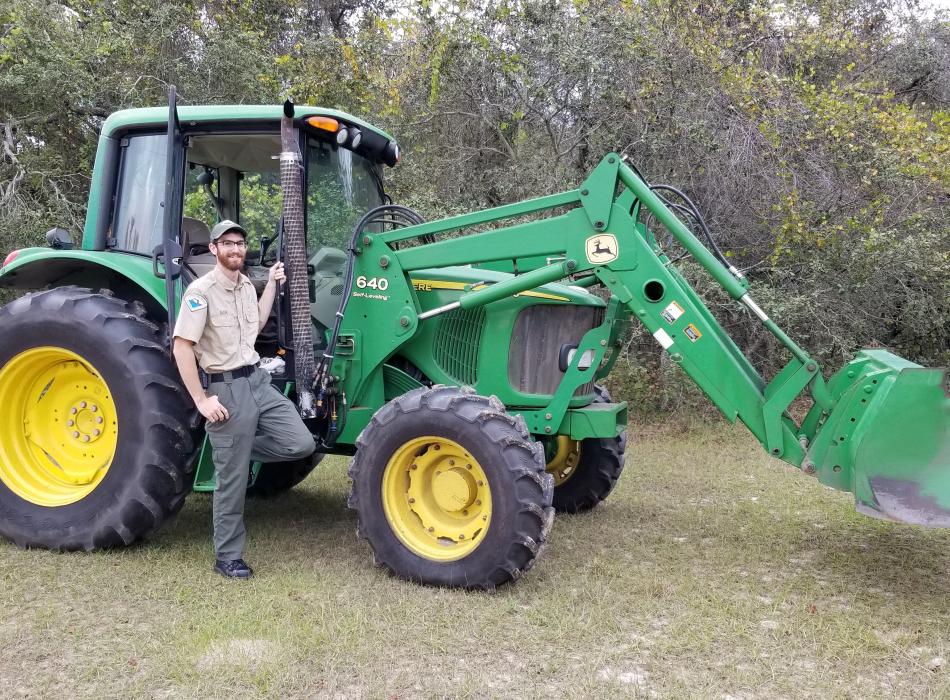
{"x":566,"y":357}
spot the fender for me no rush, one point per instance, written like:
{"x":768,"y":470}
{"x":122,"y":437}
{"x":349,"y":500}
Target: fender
{"x":129,"y":275}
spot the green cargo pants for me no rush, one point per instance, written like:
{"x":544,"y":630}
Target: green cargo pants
{"x":263,"y":425}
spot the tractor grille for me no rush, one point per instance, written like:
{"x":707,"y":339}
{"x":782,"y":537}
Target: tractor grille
{"x":536,"y":342}
{"x":457,"y":342}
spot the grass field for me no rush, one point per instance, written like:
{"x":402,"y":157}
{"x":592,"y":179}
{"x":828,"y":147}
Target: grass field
{"x":712,"y":571}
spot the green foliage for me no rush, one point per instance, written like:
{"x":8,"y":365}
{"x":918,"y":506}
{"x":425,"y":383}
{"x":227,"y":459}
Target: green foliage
{"x":654,"y":386}
{"x":260,"y":207}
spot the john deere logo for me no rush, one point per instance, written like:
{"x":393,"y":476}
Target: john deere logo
{"x":601,"y":249}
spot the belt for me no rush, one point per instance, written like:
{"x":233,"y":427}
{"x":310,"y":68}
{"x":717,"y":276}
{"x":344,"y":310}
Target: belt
{"x":245,"y":371}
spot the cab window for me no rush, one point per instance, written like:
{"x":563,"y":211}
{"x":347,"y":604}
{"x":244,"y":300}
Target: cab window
{"x":341,"y":187}
{"x":137,"y":225}
{"x":234,"y":176}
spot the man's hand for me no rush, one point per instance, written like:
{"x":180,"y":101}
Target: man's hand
{"x":276,"y":273}
{"x":212,"y":409}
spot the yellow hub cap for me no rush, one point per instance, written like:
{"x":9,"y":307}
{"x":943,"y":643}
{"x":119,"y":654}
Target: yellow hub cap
{"x":436,"y":498}
{"x":564,"y":463}
{"x":58,"y":426}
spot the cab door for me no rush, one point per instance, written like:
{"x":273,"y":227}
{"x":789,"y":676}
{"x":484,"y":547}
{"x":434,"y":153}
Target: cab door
{"x":170,"y":250}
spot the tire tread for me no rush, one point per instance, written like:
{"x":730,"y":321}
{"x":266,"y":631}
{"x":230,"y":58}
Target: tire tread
{"x":158,"y":481}
{"x":601,"y":463}
{"x":533,"y":486}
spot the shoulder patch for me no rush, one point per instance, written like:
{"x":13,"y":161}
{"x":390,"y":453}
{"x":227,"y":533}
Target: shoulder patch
{"x":195,"y":303}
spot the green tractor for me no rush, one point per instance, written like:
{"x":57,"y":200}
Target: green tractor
{"x":458,"y":361}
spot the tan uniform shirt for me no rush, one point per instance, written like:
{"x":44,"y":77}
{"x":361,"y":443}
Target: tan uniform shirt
{"x":221,"y":318}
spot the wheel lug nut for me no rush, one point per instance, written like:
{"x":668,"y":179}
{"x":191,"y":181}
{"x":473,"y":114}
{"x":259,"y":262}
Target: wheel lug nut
{"x":431,"y":529}
{"x":70,"y":423}
{"x":468,"y":466}
{"x":99,"y":419}
{"x":85,"y":438}
{"x":478,"y":502}
{"x":461,"y":537}
{"x":82,"y":404}
{"x":464,"y":512}
{"x":97,"y":432}
{"x":75,"y":433}
{"x":414,"y":466}
{"x":437,"y":448}
{"x":94,"y":408}
{"x":412,"y":500}
{"x":73,"y":410}
{"x":481,"y":483}
{"x":451,"y":462}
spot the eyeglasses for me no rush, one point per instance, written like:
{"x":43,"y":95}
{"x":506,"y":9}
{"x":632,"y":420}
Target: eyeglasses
{"x":229,"y":244}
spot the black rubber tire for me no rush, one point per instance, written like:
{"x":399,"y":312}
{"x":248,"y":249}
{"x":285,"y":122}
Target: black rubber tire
{"x":513,"y":463}
{"x":148,"y":479}
{"x":601,"y":462}
{"x":276,"y":478}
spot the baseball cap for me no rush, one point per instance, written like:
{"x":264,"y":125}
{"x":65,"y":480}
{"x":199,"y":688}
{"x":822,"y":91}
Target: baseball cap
{"x":224,"y":227}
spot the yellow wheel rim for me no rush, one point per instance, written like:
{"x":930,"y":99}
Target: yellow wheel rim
{"x":58,"y":426}
{"x":436,"y":498}
{"x":563,"y":464}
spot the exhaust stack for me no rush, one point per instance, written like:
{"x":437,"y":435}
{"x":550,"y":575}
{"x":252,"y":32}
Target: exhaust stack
{"x":295,"y":253}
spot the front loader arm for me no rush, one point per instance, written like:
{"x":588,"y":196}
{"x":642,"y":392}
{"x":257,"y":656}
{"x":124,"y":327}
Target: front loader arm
{"x":638,"y":276}
{"x":600,"y":235}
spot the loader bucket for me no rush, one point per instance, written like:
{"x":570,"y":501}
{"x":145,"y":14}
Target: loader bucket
{"x":887,"y":440}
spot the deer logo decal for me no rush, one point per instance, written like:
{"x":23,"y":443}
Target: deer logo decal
{"x":601,"y":249}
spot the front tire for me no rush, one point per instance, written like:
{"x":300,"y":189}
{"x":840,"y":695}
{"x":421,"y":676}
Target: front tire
{"x":450,"y":490}
{"x":94,"y":439}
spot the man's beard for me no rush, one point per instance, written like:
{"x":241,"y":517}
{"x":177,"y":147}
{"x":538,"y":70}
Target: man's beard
{"x":231,"y":259}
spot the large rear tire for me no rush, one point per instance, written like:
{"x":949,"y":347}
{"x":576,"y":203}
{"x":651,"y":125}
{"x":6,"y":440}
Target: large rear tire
{"x":450,"y":490}
{"x":586,"y":471}
{"x":94,"y":441}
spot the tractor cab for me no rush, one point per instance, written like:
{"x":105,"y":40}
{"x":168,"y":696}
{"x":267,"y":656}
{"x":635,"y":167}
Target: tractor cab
{"x":216,"y":163}
{"x":236,"y":177}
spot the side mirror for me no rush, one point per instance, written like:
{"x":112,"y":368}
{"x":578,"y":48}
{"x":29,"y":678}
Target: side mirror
{"x":205,"y":177}
{"x":59,"y":239}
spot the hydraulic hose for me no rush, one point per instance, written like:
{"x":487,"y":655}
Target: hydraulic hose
{"x":394,"y":215}
{"x":692,"y":211}
{"x":717,"y":251}
{"x":398,"y":216}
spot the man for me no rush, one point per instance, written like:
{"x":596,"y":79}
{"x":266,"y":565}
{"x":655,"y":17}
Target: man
{"x":247,"y":418}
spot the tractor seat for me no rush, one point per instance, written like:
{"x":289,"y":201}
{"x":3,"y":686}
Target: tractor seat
{"x":195,"y":237}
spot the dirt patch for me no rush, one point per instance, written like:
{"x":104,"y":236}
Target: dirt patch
{"x":239,"y":653}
